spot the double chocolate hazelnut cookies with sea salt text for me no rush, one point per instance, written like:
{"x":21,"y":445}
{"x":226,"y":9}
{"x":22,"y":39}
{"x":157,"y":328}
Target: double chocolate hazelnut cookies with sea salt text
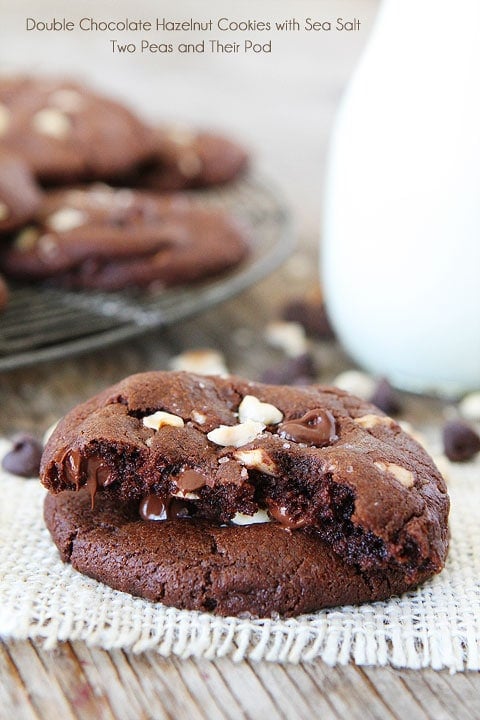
{"x":222,"y":494}
{"x":109,"y":239}
{"x":65,"y":132}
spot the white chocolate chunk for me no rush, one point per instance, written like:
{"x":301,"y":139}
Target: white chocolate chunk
{"x":357,"y":383}
{"x":26,"y":239}
{"x":251,"y":408}
{"x":261,"y":516}
{"x":400,"y":473}
{"x":5,"y":119}
{"x":236,"y":435}
{"x":67,"y":100}
{"x":161,"y":418}
{"x":52,"y":122}
{"x":203,"y":361}
{"x":287,"y":336}
{"x":256,"y":459}
{"x":66,"y":219}
{"x":370,"y":421}
{"x":4,"y":211}
{"x":185,"y":495}
{"x":469,"y":407}
{"x":198,"y":417}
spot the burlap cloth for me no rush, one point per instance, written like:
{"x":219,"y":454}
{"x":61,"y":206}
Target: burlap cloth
{"x":437,"y":626}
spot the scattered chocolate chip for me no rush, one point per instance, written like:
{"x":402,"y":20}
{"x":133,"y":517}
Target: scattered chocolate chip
{"x":24,"y":457}
{"x":312,"y":315}
{"x":386,"y":398}
{"x":460,"y":441}
{"x":317,"y":427}
{"x":299,"y":370}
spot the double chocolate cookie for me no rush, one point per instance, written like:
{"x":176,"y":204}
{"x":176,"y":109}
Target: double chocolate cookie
{"x":182,"y":159}
{"x":221,"y":494}
{"x":111,"y":239}
{"x":20,"y":196}
{"x":65,"y":132}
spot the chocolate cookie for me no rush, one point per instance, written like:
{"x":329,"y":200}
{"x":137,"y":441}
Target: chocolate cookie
{"x":4,"y":294}
{"x":200,"y":566}
{"x":182,"y":158}
{"x":20,"y":196}
{"x":65,"y":132}
{"x":225,"y":451}
{"x":112,"y":239}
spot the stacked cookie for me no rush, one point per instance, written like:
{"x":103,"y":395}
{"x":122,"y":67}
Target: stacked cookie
{"x":56,"y":139}
{"x":224,"y":495}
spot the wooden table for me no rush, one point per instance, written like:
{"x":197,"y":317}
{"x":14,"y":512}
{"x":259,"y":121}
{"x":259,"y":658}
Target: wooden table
{"x":79,"y":682}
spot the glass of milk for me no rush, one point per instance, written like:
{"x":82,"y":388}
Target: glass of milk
{"x":401,"y":235}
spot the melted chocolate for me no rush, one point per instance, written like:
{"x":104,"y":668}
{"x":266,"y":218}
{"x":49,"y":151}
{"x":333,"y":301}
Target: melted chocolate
{"x":72,"y":467}
{"x":153,"y":507}
{"x":279,"y":513}
{"x":317,"y":427}
{"x":190,"y":480}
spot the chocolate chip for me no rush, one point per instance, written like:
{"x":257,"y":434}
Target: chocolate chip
{"x":317,"y":427}
{"x":190,"y":480}
{"x":312,"y":315}
{"x":72,"y":465}
{"x":460,"y":441}
{"x":299,"y":370}
{"x":280,"y":514}
{"x":153,"y":507}
{"x":24,"y":457}
{"x":386,"y":398}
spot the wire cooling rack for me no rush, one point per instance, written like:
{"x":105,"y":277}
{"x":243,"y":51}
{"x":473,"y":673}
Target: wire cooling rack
{"x":42,"y":323}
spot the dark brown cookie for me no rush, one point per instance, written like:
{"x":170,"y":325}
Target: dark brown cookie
{"x":65,"y":132}
{"x":183,"y":158}
{"x":259,"y":569}
{"x":20,"y":196}
{"x":4,"y":294}
{"x":112,"y":239}
{"x":220,"y":449}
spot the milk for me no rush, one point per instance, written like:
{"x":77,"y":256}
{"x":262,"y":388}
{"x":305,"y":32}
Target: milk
{"x":401,"y":235}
